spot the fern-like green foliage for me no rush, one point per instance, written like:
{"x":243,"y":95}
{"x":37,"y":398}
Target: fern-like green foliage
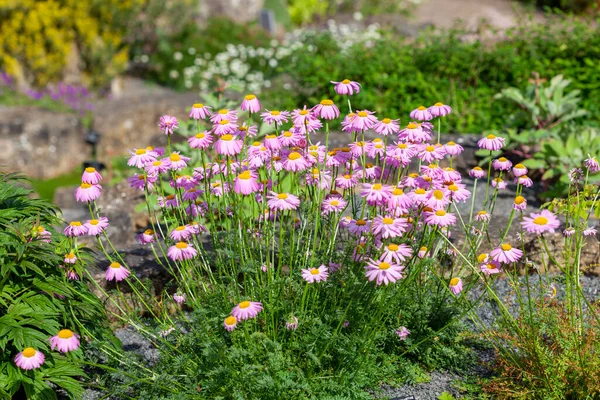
{"x":37,"y":299}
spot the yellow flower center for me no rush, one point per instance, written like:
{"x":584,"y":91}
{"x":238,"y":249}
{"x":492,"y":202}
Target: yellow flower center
{"x":294,"y":156}
{"x":519,"y":166}
{"x":402,"y":146}
{"x":423,"y":248}
{"x":282,"y":196}
{"x":198,"y":105}
{"x":314,"y":271}
{"x":245,"y":175}
{"x":275,"y":112}
{"x":270,"y":136}
{"x":231,"y":320}
{"x":200,"y":135}
{"x":421,"y":108}
{"x":303,"y":112}
{"x":483,"y":212}
{"x":361,"y":222}
{"x":477,"y":169}
{"x":70,"y":255}
{"x":450,"y":144}
{"x":438,"y":104}
{"x":491,"y":266}
{"x":491,"y":136}
{"x":65,"y":334}
{"x":180,"y":228}
{"x":362,"y":114}
{"x":223,"y":112}
{"x":224,"y":122}
{"x":453,"y":188}
{"x":149,"y":148}
{"x":227,"y":138}
{"x":392,"y":247}
{"x":115,"y":265}
{"x":481,"y":258}
{"x":94,"y":222}
{"x":346,"y":81}
{"x":90,"y":170}
{"x":411,"y":126}
{"x":519,"y":200}
{"x":40,"y":229}
{"x":29,"y":352}
{"x":540,"y":221}
{"x":454,"y":281}
{"x":440,"y":213}
{"x":326,"y":102}
{"x":438,"y":194}
{"x":506,"y":247}
{"x":181,"y":245}
{"x":384,"y":265}
{"x":502,"y":159}
{"x":334,"y":203}
{"x":170,"y":197}
{"x":398,"y":192}
{"x":139,"y":152}
{"x":148,"y":232}
{"x":175,"y":157}
{"x":244,"y":304}
{"x":420,"y":191}
{"x":376,"y":186}
{"x":85,"y":186}
{"x":75,"y":223}
{"x":388,"y":221}
{"x":287,"y":134}
{"x":250,"y":97}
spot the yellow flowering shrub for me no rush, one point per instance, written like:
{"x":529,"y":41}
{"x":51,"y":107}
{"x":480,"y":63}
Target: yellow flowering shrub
{"x":39,"y":35}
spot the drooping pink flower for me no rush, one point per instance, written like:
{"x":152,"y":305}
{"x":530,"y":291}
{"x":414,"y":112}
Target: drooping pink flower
{"x":439,"y":110}
{"x":477,"y":173}
{"x":70,"y":258}
{"x":440,"y":218}
{"x":312,"y":275}
{"x":168,"y":124}
{"x":491,"y":142}
{"x":499,"y":183}
{"x":590,"y":231}
{"x":389,"y":226}
{"x":224,"y":114}
{"x":228,"y":145}
{"x":453,"y":149}
{"x":225,"y":127}
{"x":275,"y":116}
{"x":421,"y":113}
{"x":422,"y":252}
{"x":295,"y":162}
{"x":363,"y":120}
{"x":346,"y":87}
{"x":326,"y":110}
{"x":282,"y":201}
{"x":75,"y":229}
{"x":490,"y":267}
{"x":592,"y":164}
{"x":230,"y":323}
{"x":91,"y":176}
{"x":456,"y":285}
{"x":178,"y":161}
{"x":65,"y":341}
{"x":292,"y":323}
{"x":376,"y":194}
{"x":146,"y":237}
{"x":520,"y":203}
{"x":29,"y":359}
{"x":483,"y":216}
{"x":246,"y":183}
{"x":40,"y":233}
{"x":87,"y":192}
{"x":181,"y":251}
{"x":383,"y":272}
{"x":181,"y":233}
{"x":519,"y":170}
{"x":506,"y":254}
{"x":250,"y":104}
{"x":200,"y":111}
{"x":116,"y":272}
{"x":201,"y":140}
{"x":502,"y":164}
{"x":96,"y":226}
{"x":402,"y":332}
{"x":570,"y":231}
{"x":387,"y":126}
{"x":179,"y":297}
{"x":246,"y":309}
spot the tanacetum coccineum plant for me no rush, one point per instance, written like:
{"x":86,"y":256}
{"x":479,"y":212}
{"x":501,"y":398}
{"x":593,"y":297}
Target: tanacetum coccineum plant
{"x":295,"y":261}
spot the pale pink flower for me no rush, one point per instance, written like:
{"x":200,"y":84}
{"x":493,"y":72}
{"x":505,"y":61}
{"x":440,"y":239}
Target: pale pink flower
{"x":91,"y":176}
{"x":201,"y":140}
{"x":506,"y":254}
{"x":312,"y":275}
{"x":437,"y":200}
{"x":402,"y":332}
{"x":520,"y":203}
{"x":439,"y":110}
{"x":75,"y":229}
{"x":592,"y":164}
{"x":502,"y":164}
{"x":453,"y":149}
{"x":181,"y":251}
{"x":96,"y":226}
{"x":179,"y":297}
{"x":178,"y":161}
{"x":29,"y":358}
{"x":490,"y":268}
{"x":456,"y":285}
{"x":421,"y":113}
{"x":570,"y":231}
{"x":181,"y":233}
{"x":346,"y":181}
{"x":141,"y":157}
{"x":228,"y":145}
{"x":389,"y":227}
{"x":422,"y":252}
{"x":541,"y":222}
{"x":363,"y":121}
{"x":65,"y":341}
{"x":491,"y":142}
{"x":295,"y":162}
{"x":282,"y":201}
{"x":397,"y":253}
{"x":116,"y":272}
{"x":346,"y":87}
{"x":358,"y":227}
{"x":200,"y":111}
{"x":230,"y":323}
{"x":440,"y":218}
{"x":483,"y":216}
{"x":499,"y":183}
{"x":224,"y":114}
{"x":383,"y":272}
{"x":146,"y":237}
{"x":168,"y":124}
{"x":590,"y":231}
{"x":457,"y":192}
{"x":326,"y":110}
{"x":431,"y":153}
{"x":519,"y":170}
{"x":292,"y":323}
{"x":333,"y":205}
{"x":246,"y":309}
{"x":250,"y":104}
{"x":524,"y":180}
{"x":275,"y":116}
{"x":477,"y":173}
{"x":387,"y":126}
{"x":87,"y":192}
{"x":376,"y":194}
{"x":246,"y":183}
{"x":225,"y":127}
{"x":70,"y":258}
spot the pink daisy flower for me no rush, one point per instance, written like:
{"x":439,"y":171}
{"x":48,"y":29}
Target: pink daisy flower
{"x":376,"y":194}
{"x":292,"y":323}
{"x":524,"y":180}
{"x":224,"y":114}
{"x":65,"y":341}
{"x":506,"y":254}
{"x":402,"y":332}
{"x":96,"y":226}
{"x":288,"y":138}
{"x":181,"y":233}
{"x":70,"y":258}
{"x":590,"y":231}
{"x":358,"y":227}
{"x":295,"y":162}
{"x":520,"y":203}
{"x":91,"y":176}
{"x":490,"y":268}
{"x":139,"y":181}
{"x":483,"y":216}
{"x":181,"y":251}
{"x":363,"y":121}
{"x":333,"y":205}
{"x":246,"y":183}
{"x":158,"y":167}
{"x":499,"y":183}
{"x":457,"y":192}
{"x":224,"y":127}
{"x":313,"y":275}
{"x":431,"y":153}
{"x":541,"y":222}
{"x":146,"y":237}
{"x":116,"y":272}
{"x":456,"y":285}
{"x":383,"y":272}
{"x":275,"y":116}
{"x":491,"y":142}
{"x":399,"y":201}
{"x":246,"y":309}
{"x":228,"y":145}
{"x":440,"y":218}
{"x":422,"y":252}
{"x":477,"y":173}
{"x":140,"y":157}
{"x":437,"y":200}
{"x":502,"y":164}
{"x":453,"y":149}
{"x":200,"y":111}
{"x":439,"y":110}
{"x":282,"y":201}
{"x":346,"y":87}
{"x":75,"y":229}
{"x":592,"y":164}
{"x":168,"y":124}
{"x":389,"y":227}
{"x":179,"y":297}
{"x":42,"y":234}
{"x":178,"y":161}
{"x":395,"y":253}
{"x":230,"y":323}
{"x":87,"y":192}
{"x":519,"y":170}
{"x":421,"y":113}
{"x":246,"y":130}
{"x":29,"y":358}
{"x":201,"y":140}
{"x":570,"y":231}
{"x":387,"y":126}
{"x":250,"y":104}
{"x":326,"y":110}
{"x":346,"y":181}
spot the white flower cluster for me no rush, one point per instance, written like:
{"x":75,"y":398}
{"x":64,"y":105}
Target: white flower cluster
{"x":248,"y":68}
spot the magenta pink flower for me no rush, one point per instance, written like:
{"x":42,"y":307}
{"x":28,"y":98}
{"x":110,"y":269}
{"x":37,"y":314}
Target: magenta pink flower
{"x":346,"y":181}
{"x":541,"y":222}
{"x":326,"y":110}
{"x":29,"y":358}
{"x":376,"y":194}
{"x":75,"y":228}
{"x":201,"y":140}
{"x":91,"y":176}
{"x":383,"y":272}
{"x":42,"y":234}
{"x":312,"y":275}
{"x":431,"y":153}
{"x":96,"y":226}
{"x":224,"y":127}
{"x":363,"y":120}
{"x":502,"y":164}
{"x":491,"y":142}
{"x":346,"y":87}
{"x":453,"y":149}
{"x":456,"y":285}
{"x":179,"y":297}
{"x":477,"y":173}
{"x":395,"y":253}
{"x":414,"y":133}
{"x":181,"y":233}
{"x":228,"y":145}
{"x":399,"y":202}
{"x":387,"y":126}
{"x":224,"y":114}
{"x":282,"y":201}
{"x":438,"y":200}
{"x":200,"y":111}
{"x":230,"y":323}
{"x":139,"y":181}
{"x":490,"y":268}
{"x":389,"y":226}
{"x":246,"y":309}
{"x":177,"y":161}
{"x":334,"y":204}
{"x":520,"y":203}
{"x":70,"y":258}
{"x":440,"y":218}
{"x":116,"y":272}
{"x":457,"y":192}
{"x":250,"y":104}
{"x":146,"y":237}
{"x":402,"y":332}
{"x":246,"y":183}
{"x":65,"y":341}
{"x":168,"y":124}
{"x":141,"y":157}
{"x":275,"y":116}
{"x":519,"y":170}
{"x":181,"y":251}
{"x":439,"y":110}
{"x":87,"y":192}
{"x":506,"y":254}
{"x":421,"y":113}
{"x":158,"y":167}
{"x":289,"y":138}
{"x":295,"y":162}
